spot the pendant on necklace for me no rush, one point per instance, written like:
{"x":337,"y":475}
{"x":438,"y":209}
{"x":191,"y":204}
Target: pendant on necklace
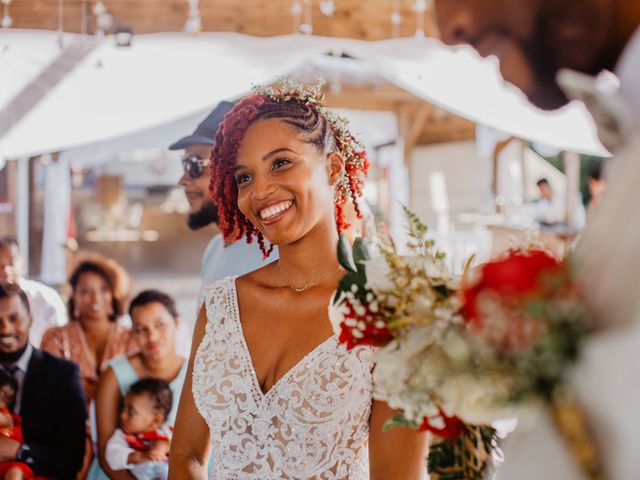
{"x":301,"y":289}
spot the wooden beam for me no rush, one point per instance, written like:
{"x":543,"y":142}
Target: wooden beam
{"x":363,"y":19}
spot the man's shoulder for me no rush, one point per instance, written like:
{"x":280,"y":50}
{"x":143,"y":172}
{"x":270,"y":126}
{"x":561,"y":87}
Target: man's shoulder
{"x":49,"y":364}
{"x":34,"y":287}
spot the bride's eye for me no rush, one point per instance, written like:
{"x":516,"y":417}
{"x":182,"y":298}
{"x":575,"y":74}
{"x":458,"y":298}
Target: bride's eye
{"x":242,"y":178}
{"x":281,"y":162}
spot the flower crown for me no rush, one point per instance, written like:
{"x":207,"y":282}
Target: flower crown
{"x":352,"y":151}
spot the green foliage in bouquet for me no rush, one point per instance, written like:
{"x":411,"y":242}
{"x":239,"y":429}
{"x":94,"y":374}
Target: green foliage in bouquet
{"x":352,"y":259}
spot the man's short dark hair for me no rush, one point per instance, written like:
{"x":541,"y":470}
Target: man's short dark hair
{"x":542,"y":181}
{"x":11,"y":290}
{"x":9,"y":242}
{"x":596,"y":173}
{"x":154,"y":296}
{"x":158,"y":390}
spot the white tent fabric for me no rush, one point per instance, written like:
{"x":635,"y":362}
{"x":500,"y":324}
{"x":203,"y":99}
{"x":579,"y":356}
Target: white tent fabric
{"x":57,"y":205}
{"x":24,"y":54}
{"x":162,"y":78}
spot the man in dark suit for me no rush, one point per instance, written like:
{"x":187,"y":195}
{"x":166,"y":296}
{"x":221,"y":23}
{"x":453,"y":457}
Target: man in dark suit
{"x":50,"y":398}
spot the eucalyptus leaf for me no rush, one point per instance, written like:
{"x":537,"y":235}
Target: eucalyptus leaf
{"x":345,"y":255}
{"x":398,"y":420}
{"x":361,"y":250}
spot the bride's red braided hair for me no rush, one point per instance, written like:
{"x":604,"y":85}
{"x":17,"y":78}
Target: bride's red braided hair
{"x":304,"y":118}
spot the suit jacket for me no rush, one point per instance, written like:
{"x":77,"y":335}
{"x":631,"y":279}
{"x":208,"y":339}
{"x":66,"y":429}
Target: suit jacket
{"x":53,"y":412}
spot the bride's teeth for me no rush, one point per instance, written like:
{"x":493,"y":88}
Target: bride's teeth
{"x":274,"y":210}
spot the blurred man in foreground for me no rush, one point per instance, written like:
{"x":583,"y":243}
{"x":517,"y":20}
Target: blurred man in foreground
{"x":556,"y":50}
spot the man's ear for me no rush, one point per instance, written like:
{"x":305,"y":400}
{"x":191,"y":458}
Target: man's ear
{"x":335,"y":167}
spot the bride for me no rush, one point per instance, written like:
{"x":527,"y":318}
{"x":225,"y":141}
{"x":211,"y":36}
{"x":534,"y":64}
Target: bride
{"x":271,"y":393}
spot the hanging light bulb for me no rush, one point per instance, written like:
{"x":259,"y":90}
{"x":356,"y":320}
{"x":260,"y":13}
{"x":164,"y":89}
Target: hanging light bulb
{"x":327,"y":7}
{"x":193,"y":24}
{"x":6,"y":21}
{"x":420,"y":6}
{"x":307,"y":27}
{"x":104,"y":21}
{"x":396,"y":19}
{"x":296,"y":12}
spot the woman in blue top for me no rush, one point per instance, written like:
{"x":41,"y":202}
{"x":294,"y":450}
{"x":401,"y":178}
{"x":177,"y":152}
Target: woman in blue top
{"x":155,"y":320}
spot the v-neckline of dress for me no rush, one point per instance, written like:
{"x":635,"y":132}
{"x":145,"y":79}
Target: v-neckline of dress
{"x":246,"y":353}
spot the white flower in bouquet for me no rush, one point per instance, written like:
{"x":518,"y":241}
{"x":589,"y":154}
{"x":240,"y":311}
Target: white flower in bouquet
{"x":408,"y":370}
{"x":427,"y":368}
{"x":378,"y":274}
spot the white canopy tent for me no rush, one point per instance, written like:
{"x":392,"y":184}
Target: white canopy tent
{"x":169,"y":77}
{"x":149,"y":94}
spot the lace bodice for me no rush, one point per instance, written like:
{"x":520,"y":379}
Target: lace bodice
{"x":313,"y":423}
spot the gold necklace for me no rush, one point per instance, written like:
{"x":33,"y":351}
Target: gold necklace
{"x":308,"y":285}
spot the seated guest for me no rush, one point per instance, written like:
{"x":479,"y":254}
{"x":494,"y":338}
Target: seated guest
{"x":47,"y":307}
{"x":141,"y":442}
{"x":155,"y":321}
{"x":99,"y":288}
{"x":49,"y":399}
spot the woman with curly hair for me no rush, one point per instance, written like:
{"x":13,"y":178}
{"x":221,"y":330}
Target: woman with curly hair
{"x":271,"y":393}
{"x":99,"y":290}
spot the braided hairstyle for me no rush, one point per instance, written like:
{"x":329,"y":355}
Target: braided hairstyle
{"x":316,"y":130}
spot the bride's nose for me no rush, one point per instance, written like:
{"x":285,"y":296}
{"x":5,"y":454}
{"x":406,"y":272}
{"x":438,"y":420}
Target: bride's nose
{"x":263,"y":187}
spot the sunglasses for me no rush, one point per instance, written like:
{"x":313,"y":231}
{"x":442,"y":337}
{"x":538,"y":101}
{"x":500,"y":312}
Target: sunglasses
{"x":195,"y":166}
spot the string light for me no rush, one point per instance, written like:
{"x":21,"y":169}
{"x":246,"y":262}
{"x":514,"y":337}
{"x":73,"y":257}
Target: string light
{"x":194,"y":22}
{"x":420,"y":6}
{"x":104,"y":21}
{"x":296,"y":12}
{"x":396,"y":19}
{"x":307,"y":27}
{"x":327,"y":7}
{"x":7,"y":21}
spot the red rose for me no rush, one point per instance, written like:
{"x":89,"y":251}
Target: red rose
{"x":514,"y":277}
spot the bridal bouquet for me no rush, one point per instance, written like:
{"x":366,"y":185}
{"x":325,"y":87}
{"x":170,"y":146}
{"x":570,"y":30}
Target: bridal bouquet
{"x":457,"y":353}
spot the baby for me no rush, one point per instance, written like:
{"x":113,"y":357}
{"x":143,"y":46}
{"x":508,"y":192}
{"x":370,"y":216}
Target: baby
{"x":10,"y":427}
{"x":141,"y":443}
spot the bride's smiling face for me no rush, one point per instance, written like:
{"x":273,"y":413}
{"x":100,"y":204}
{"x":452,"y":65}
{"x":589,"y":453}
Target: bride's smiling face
{"x":285,"y":184}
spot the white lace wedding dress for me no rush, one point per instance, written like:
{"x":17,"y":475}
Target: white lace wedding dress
{"x":313,"y":423}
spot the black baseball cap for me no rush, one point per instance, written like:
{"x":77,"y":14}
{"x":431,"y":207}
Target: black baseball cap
{"x":204,"y":132}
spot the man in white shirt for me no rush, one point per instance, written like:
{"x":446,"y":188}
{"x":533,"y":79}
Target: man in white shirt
{"x":219,"y":260}
{"x":553,"y":50}
{"x":551,"y":208}
{"x":47,"y":307}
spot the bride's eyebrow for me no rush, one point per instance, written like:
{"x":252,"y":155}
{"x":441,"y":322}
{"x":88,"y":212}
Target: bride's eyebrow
{"x":266,"y":157}
{"x":276,"y":151}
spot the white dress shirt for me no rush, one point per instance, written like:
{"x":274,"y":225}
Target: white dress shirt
{"x":47,"y":309}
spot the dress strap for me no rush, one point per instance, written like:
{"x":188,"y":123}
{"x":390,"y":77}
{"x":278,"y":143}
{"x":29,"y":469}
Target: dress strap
{"x":124,"y":372}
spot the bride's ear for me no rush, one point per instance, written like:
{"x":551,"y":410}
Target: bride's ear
{"x":335,"y":167}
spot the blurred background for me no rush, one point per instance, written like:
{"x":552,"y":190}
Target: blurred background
{"x":92,"y":94}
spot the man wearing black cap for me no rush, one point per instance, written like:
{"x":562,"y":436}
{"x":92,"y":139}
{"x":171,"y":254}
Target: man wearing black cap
{"x":219,"y":260}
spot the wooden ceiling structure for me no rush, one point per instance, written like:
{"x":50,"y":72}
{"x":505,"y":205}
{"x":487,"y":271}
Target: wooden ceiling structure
{"x":419,"y":122}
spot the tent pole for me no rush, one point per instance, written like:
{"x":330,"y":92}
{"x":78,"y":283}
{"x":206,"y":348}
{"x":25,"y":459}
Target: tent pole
{"x":572,"y":172}
{"x":22,"y":208}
